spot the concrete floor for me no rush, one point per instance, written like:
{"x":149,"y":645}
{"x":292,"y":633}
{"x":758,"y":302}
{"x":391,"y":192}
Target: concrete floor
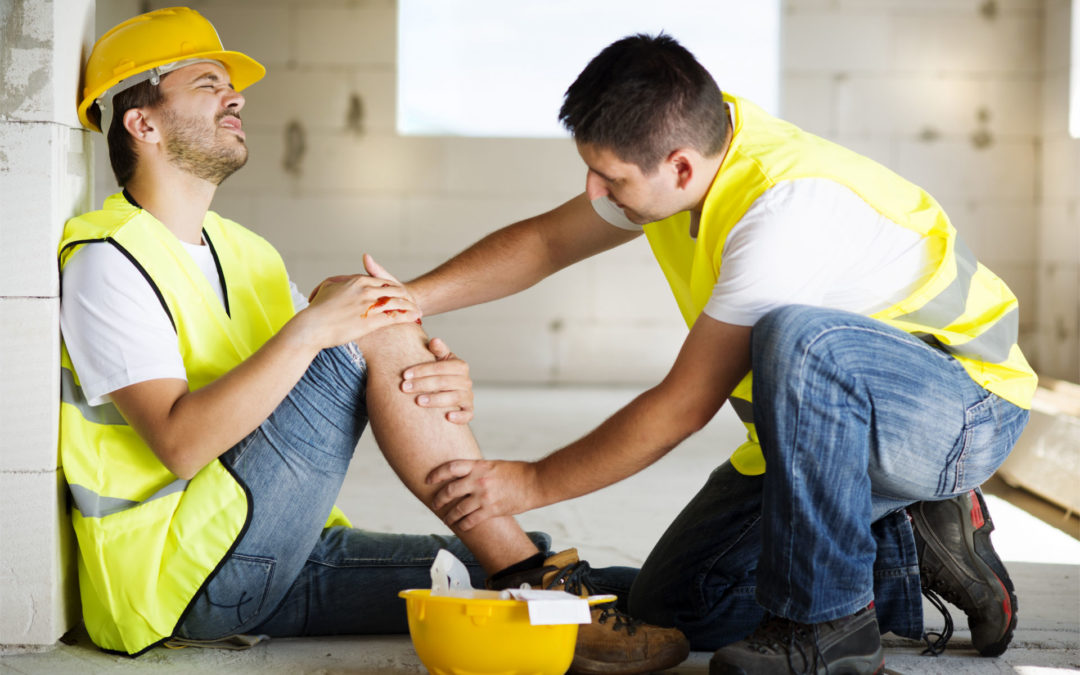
{"x":616,"y":526}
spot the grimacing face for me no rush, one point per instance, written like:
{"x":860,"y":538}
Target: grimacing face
{"x":200,"y":122}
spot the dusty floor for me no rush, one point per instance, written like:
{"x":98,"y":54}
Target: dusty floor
{"x":616,"y":526}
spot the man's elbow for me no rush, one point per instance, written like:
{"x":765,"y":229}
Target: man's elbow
{"x":177,"y":460}
{"x":183,"y":470}
{"x":694,"y":419}
{"x":185,"y":473}
{"x":685,"y":415}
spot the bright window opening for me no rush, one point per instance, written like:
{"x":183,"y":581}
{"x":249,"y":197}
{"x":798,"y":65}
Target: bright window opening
{"x":499,"y":69}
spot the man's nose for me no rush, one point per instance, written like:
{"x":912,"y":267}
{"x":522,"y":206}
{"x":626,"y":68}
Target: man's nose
{"x":594,"y":186}
{"x":234,"y":100}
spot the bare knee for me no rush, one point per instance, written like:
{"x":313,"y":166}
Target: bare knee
{"x":394,"y":348}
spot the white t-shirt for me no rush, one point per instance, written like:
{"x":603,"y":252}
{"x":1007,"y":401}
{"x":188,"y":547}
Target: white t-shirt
{"x":113,"y":324}
{"x":810,"y":241}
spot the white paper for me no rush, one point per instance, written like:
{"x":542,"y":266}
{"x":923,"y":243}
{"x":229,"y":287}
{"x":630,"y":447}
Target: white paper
{"x":449,"y":575}
{"x":548,"y":608}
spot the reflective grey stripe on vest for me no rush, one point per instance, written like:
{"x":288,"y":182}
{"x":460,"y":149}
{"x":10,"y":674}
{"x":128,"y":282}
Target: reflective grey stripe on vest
{"x":93,"y":505}
{"x":743,"y":408}
{"x":993,"y":344}
{"x":947,"y":306}
{"x":106,"y":413}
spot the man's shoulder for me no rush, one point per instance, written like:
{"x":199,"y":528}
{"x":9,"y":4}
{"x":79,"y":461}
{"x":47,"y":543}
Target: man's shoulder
{"x":96,"y":269}
{"x":99,"y":223}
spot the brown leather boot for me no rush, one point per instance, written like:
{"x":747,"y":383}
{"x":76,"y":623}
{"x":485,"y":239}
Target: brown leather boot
{"x":614,"y":643}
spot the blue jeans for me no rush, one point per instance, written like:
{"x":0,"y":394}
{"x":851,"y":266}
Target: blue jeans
{"x":288,"y":576}
{"x":857,"y":420}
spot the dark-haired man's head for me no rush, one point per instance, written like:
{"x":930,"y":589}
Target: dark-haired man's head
{"x":642,"y":97}
{"x":122,"y":152}
{"x":193,"y":113}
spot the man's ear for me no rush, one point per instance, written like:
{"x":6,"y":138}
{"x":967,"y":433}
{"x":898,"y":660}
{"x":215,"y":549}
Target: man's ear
{"x":682,"y":165}
{"x":140,"y":126}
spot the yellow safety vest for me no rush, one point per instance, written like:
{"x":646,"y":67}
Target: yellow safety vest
{"x":963,"y":305}
{"x":148,"y":541}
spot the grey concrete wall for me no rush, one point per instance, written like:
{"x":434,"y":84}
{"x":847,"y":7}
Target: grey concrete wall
{"x":1058,"y":260}
{"x":946,"y":92}
{"x":45,"y":178}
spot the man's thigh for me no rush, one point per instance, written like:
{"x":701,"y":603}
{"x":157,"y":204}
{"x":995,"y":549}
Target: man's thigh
{"x":292,"y":467}
{"x":926,"y":429}
{"x":946,"y":436}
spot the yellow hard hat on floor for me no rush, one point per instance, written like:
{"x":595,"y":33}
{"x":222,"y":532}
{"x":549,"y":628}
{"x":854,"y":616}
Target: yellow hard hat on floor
{"x":150,"y":45}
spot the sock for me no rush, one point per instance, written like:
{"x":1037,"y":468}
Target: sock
{"x":529,"y":563}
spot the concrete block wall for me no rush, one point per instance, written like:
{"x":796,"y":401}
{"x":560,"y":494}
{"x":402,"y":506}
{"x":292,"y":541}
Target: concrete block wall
{"x":44,"y":179}
{"x":946,"y":92}
{"x":1058,"y":261}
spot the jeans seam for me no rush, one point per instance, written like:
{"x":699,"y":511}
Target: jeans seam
{"x":971,"y":415}
{"x":959,"y":473}
{"x":896,"y":572}
{"x":240,"y":448}
{"x":702,"y":599}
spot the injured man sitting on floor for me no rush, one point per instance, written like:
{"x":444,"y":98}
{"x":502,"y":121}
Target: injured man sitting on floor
{"x":210,"y":411}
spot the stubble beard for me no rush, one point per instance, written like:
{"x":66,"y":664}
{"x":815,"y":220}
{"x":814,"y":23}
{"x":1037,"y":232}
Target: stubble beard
{"x":194,"y":147}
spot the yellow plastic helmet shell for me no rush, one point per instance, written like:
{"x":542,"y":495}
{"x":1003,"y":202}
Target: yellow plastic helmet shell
{"x":466,"y":636}
{"x":157,"y":39}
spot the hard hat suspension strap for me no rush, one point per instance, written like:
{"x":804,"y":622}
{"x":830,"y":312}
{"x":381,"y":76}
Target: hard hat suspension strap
{"x":153,"y":75}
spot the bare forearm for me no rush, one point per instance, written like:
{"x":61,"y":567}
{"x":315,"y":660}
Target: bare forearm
{"x":210,"y":420}
{"x":656,"y":421}
{"x":502,"y":263}
{"x":188,"y":429}
{"x":516,"y":257}
{"x":633,"y":438}
{"x":206,"y":422}
{"x":714,"y":358}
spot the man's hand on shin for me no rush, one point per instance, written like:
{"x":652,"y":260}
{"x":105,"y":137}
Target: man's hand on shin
{"x":474,"y":490}
{"x":442,"y":383}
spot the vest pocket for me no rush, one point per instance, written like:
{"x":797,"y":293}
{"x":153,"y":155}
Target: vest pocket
{"x":232,"y":601}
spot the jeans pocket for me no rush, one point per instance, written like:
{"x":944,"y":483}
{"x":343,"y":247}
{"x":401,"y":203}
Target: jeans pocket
{"x":987,"y":439}
{"x":233,"y":600}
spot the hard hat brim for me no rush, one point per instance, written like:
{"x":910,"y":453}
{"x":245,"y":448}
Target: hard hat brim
{"x":243,"y":70}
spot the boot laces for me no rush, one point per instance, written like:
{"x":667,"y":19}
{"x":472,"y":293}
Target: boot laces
{"x":937,"y":645}
{"x":778,"y":634}
{"x":574,"y":579}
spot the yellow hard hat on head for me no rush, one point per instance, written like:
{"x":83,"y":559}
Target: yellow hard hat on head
{"x":149,"y":45}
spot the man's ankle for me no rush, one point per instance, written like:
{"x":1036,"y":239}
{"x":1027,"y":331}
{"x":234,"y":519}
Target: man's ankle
{"x":532,"y":562}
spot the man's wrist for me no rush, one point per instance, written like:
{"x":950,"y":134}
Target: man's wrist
{"x":415,"y":294}
{"x":537,"y":488}
{"x":302,"y":334}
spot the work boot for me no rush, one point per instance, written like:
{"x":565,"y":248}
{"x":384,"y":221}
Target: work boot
{"x":850,"y":645}
{"x":614,"y":643}
{"x":958,"y":562}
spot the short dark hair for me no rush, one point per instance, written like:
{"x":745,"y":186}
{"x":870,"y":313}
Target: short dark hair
{"x":644,"y":96}
{"x":122,"y":153}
